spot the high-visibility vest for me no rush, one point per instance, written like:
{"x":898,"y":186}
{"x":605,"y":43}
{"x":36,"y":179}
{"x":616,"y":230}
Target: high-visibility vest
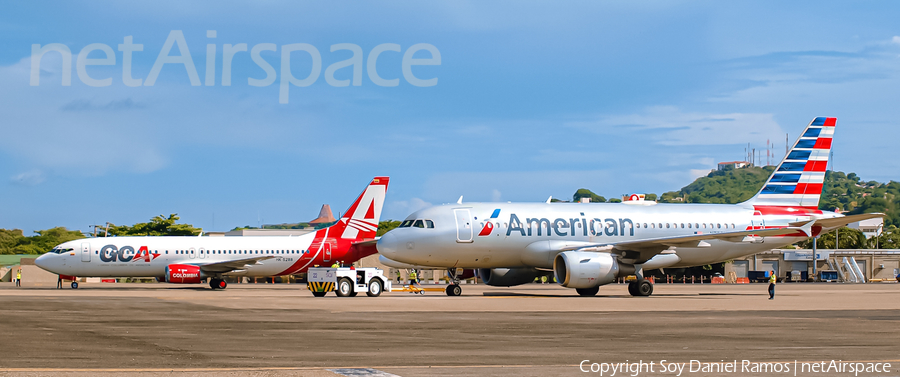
{"x":19,"y":275}
{"x":335,"y":265}
{"x":773,"y":279}
{"x":412,"y":275}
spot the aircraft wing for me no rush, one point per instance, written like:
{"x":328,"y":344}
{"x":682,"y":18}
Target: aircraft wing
{"x":231,"y":265}
{"x":835,"y":222}
{"x":642,"y":250}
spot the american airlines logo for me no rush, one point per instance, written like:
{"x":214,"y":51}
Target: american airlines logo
{"x":576,"y":226}
{"x":110,"y":253}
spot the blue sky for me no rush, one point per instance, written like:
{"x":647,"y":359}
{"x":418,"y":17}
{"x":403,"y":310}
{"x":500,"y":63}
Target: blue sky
{"x":532,"y":99}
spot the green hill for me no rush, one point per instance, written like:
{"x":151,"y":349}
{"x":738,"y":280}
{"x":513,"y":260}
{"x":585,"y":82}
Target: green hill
{"x":844,"y":191}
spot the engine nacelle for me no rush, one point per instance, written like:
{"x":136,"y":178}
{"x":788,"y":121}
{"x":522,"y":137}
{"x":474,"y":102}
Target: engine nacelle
{"x":582,"y":269}
{"x":184,"y":274}
{"x":507,"y":277}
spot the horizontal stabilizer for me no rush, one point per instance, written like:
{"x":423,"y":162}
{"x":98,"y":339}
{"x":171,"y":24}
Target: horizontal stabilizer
{"x":837,"y":222}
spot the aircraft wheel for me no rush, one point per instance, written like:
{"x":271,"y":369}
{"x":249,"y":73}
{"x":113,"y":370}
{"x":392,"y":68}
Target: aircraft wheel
{"x":632,"y":288}
{"x":74,"y":285}
{"x":213,"y":283}
{"x":222,"y":284}
{"x":375,"y":288}
{"x":454,"y":290}
{"x":344,"y":288}
{"x":644,"y":288}
{"x":587,"y":291}
{"x":319,"y":294}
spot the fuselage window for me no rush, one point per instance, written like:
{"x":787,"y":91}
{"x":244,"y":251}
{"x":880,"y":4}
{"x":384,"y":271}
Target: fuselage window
{"x":638,"y":225}
{"x":732,"y":226}
{"x":645,"y":225}
{"x":429,"y":224}
{"x":660,"y":225}
{"x":689,"y":225}
{"x":667,"y":225}
{"x":682,"y":225}
{"x":719,"y":226}
{"x":654,"y":226}
{"x":696,"y":225}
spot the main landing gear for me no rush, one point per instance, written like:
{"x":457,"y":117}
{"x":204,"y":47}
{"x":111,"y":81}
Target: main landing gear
{"x":453,"y":289}
{"x":640,"y":287}
{"x":216,"y":283}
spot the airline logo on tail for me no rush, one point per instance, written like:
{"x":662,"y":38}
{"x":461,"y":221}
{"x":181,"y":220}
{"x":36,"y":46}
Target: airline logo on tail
{"x":798,"y":180}
{"x":361,"y":220}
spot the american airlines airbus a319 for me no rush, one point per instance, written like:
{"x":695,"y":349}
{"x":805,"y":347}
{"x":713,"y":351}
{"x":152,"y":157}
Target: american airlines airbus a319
{"x":587,"y":245}
{"x":189,"y":260}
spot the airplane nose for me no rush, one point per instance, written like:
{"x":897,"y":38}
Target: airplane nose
{"x":41,"y":261}
{"x":387,"y":244}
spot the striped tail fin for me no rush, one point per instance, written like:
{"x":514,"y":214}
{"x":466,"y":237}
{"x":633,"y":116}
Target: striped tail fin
{"x":360,"y":221}
{"x":798,"y":179}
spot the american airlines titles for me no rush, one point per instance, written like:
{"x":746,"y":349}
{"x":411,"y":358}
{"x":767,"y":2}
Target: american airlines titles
{"x":573,"y":227}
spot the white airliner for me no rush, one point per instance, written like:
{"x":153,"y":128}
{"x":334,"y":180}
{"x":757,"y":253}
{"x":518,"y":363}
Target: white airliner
{"x":189,"y":260}
{"x":587,"y":245}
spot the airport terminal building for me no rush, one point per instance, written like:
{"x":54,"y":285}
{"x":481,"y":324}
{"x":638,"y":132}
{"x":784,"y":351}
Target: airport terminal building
{"x":873,"y":264}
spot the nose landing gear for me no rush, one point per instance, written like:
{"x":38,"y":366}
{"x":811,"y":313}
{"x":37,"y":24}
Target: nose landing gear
{"x":453,"y":289}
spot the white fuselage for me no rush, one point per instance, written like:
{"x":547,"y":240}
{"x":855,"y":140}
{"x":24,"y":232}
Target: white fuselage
{"x":149,"y":256}
{"x":531,"y":234}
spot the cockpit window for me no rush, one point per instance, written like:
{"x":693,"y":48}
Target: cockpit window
{"x":419,"y":224}
{"x":59,"y":250}
{"x":406,"y":223}
{"x":429,"y":224}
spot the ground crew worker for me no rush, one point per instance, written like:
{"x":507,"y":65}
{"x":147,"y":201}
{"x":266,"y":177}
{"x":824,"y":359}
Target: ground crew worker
{"x":772,"y":279}
{"x":398,"y":276}
{"x":19,"y":277}
{"x":335,"y":265}
{"x":58,"y":281}
{"x":544,"y":279}
{"x":413,"y":278}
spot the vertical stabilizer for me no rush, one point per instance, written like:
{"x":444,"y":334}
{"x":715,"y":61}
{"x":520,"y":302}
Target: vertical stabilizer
{"x":360,"y":221}
{"x":798,"y":179}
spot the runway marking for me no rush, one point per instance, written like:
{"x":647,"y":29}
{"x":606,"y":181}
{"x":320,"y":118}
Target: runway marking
{"x":362,"y":372}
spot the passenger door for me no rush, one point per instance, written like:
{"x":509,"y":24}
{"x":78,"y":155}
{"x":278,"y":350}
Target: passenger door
{"x":464,"y":231}
{"x":85,"y":252}
{"x":326,"y":248}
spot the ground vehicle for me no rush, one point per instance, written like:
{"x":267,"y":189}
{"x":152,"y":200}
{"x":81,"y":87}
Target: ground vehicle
{"x":347,"y":281}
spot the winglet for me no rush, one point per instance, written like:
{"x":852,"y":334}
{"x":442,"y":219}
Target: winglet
{"x":548,"y":199}
{"x":807,"y":228}
{"x":460,"y":200}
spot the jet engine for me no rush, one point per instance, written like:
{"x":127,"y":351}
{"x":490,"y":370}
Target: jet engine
{"x":183,"y":274}
{"x":507,"y":277}
{"x":583,"y":269}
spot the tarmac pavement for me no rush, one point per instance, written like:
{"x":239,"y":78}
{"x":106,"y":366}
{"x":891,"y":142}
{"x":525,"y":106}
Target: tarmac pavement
{"x":530,"y":330}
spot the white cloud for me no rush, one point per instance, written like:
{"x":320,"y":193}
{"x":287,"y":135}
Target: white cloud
{"x":496,"y":195}
{"x":668,"y":125}
{"x":399,"y":209}
{"x":896,"y":39}
{"x":30,"y":178}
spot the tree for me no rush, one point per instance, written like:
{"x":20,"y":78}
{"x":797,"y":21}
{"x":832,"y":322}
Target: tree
{"x":158,"y":226}
{"x":585,"y":193}
{"x":14,"y":242}
{"x":849,"y":239}
{"x":386,"y":226}
{"x":9,"y":238}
